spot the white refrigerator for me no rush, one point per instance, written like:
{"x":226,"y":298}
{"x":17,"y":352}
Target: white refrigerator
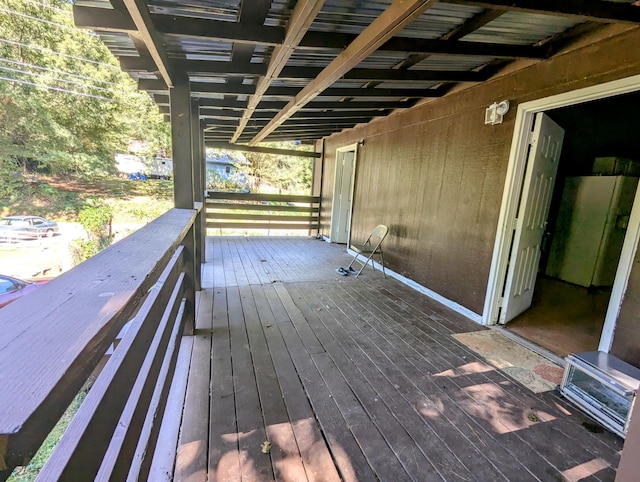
{"x":590,"y":229}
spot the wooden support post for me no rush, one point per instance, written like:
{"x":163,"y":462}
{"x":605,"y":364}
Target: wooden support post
{"x":183,"y":186}
{"x":198,"y":190}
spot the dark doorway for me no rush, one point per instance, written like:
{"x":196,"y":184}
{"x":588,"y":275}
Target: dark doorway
{"x":601,"y":139}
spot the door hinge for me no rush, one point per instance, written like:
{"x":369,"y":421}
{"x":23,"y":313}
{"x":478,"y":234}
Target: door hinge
{"x":530,"y":138}
{"x":501,"y":302}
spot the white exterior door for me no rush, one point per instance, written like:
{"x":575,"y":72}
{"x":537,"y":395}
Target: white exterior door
{"x":342,"y":196}
{"x":542,"y":167}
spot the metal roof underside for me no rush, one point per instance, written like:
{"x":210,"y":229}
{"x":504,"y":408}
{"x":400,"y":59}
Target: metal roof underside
{"x":274,"y":70}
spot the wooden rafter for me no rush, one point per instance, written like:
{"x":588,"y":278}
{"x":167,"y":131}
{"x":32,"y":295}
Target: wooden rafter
{"x":139,"y":13}
{"x":301,"y":19}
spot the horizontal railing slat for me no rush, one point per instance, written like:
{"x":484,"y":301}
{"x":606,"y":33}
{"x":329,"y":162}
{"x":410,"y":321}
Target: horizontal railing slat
{"x":150,"y":433}
{"x":263,"y":207}
{"x":271,"y":226}
{"x":241,"y":196}
{"x":142,"y":404}
{"x":259,"y":217}
{"x":53,"y":338}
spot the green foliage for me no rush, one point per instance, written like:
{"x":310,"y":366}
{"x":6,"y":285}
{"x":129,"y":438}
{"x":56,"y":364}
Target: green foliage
{"x":83,"y":249}
{"x":96,"y":220}
{"x":31,"y":471}
{"x":12,"y":182}
{"x":219,"y":183}
{"x":65,"y":105}
{"x":284,"y":174}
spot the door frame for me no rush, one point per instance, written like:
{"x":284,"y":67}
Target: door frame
{"x":334,"y":218}
{"x":513,"y":189}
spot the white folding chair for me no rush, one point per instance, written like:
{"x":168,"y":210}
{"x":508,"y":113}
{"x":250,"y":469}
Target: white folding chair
{"x":372,"y":246}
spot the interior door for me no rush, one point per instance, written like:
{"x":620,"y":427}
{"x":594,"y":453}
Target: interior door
{"x":537,"y":189}
{"x":343,"y":191}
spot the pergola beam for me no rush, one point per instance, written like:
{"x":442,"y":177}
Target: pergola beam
{"x":264,"y":150}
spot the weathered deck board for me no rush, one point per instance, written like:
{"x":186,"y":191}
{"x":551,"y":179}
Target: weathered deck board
{"x":360,"y":379}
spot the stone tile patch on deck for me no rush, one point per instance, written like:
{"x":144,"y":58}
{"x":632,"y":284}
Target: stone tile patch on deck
{"x":530,"y":369}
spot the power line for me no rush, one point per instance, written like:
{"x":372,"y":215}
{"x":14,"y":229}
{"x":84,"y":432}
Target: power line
{"x":56,"y":71}
{"x":58,"y":89}
{"x":42,"y":49}
{"x":49,"y":22}
{"x":80,"y":84}
{"x":51,"y":7}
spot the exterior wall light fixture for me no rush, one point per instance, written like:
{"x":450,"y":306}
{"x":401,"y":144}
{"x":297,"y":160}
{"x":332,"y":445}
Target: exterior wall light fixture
{"x":495,"y":112}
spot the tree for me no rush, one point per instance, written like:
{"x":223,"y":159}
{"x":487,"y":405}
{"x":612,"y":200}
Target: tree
{"x":287,"y":174}
{"x":65,"y":105}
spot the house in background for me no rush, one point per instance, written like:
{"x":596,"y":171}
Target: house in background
{"x":227,"y":166}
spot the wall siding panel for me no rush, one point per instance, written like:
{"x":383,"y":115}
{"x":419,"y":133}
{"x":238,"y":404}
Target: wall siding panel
{"x":435,"y":173}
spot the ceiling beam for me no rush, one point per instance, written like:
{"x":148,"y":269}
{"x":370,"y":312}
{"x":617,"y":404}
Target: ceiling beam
{"x":301,"y":19}
{"x":219,"y":30}
{"x":265,"y":150}
{"x":106,"y":19}
{"x":276,"y":106}
{"x":471,"y":25}
{"x":297,"y":122}
{"x":202,"y":89}
{"x":153,"y":85}
{"x":367,"y":75}
{"x":141,"y":18}
{"x":589,"y":10}
{"x":427,"y":46}
{"x":141,"y":64}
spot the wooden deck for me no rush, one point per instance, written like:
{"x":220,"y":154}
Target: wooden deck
{"x":357,"y":379}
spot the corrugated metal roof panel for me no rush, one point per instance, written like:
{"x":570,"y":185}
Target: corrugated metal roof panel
{"x":451,"y":62}
{"x":225,"y":10}
{"x":517,"y":28}
{"x":439,"y":20}
{"x":94,"y":3}
{"x":120,"y":44}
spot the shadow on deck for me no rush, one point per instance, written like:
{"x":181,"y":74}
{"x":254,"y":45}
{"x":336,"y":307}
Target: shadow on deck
{"x":356,"y":379}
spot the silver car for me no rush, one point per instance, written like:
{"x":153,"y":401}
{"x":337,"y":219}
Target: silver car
{"x":25,"y":227}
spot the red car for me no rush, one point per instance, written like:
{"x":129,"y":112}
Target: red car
{"x":13,"y":288}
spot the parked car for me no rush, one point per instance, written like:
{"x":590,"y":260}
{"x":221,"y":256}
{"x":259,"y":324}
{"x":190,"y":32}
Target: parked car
{"x":13,"y":288}
{"x":21,"y":227}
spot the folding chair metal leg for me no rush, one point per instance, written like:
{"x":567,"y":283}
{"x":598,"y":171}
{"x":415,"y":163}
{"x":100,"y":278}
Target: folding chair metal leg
{"x":366,"y":263}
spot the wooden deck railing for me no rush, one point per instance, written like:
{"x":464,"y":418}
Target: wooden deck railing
{"x":248,"y":211}
{"x":52,"y":340}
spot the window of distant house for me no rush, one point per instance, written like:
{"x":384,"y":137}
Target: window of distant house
{"x":227,"y":170}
